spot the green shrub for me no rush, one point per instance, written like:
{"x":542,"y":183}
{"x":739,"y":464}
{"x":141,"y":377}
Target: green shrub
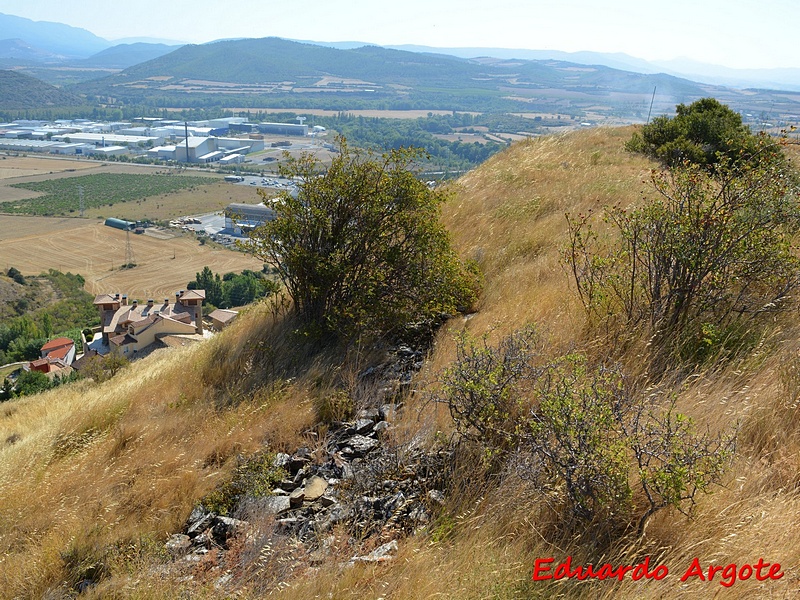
{"x":360,"y":247}
{"x":709,"y":247}
{"x":253,"y":478}
{"x":578,"y":431}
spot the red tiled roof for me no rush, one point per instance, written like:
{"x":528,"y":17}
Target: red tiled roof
{"x":57,"y":343}
{"x":59,"y":352}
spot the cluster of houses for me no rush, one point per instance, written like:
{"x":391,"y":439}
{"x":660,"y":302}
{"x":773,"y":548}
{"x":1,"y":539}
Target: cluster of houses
{"x":130,"y":329}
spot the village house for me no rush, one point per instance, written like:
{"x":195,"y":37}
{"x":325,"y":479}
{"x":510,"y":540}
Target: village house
{"x":128,"y":329}
{"x":56,"y":357}
{"x":49,"y":366}
{"x":60,"y":348}
{"x":221,"y":318}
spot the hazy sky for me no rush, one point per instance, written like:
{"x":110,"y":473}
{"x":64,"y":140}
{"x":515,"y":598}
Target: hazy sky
{"x":733,"y":33}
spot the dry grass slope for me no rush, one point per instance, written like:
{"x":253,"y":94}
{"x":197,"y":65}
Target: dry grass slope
{"x":91,"y":472}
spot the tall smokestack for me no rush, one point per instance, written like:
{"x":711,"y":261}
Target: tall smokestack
{"x":186,"y":131}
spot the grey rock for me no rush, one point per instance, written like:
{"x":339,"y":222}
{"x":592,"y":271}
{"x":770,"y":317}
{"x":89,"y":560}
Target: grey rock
{"x":300,"y":476}
{"x":372,"y":414}
{"x":178,"y":544}
{"x":281,"y":460}
{"x":287,"y":484}
{"x":418,"y":514}
{"x":381,"y":427}
{"x":327,"y":501}
{"x":339,"y":513}
{"x":296,"y":498}
{"x":380,"y":554}
{"x":358,"y":445}
{"x":363,"y":426}
{"x":276,"y":504}
{"x":388,"y":412}
{"x":296,"y":463}
{"x":198,"y":525}
{"x":225,"y":527}
{"x":436,"y":496}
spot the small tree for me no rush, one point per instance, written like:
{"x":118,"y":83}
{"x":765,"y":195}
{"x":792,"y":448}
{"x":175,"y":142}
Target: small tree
{"x":359,"y":246}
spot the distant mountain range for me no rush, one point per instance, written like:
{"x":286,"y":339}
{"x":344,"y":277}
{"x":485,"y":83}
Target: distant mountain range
{"x":346,"y":75}
{"x":313,"y":75}
{"x":39,"y":42}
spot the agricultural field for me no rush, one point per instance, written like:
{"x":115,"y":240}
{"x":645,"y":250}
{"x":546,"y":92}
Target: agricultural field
{"x":61,"y":196}
{"x":208,"y":198}
{"x":86,"y":246}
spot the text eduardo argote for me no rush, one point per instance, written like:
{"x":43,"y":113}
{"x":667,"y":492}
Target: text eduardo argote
{"x":726,"y":575}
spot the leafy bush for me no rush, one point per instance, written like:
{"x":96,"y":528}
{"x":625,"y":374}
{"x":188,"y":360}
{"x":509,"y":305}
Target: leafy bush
{"x":360,"y":246}
{"x":579,"y":431}
{"x":14,"y":274}
{"x":253,"y":478}
{"x":232,"y":289}
{"x":702,"y":133}
{"x":710,"y":247}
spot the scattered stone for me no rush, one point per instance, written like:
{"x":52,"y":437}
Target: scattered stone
{"x":276,"y":504}
{"x":327,"y":501}
{"x":358,"y":445}
{"x":199,"y":521}
{"x":363,"y":426}
{"x":296,"y":498}
{"x":178,"y":544}
{"x":380,"y":554}
{"x":287,"y":485}
{"x":281,"y":460}
{"x":349,"y":480}
{"x":315,"y":487}
{"x":436,"y":496}
{"x":373,"y":414}
{"x":300,"y":476}
{"x":225,"y":527}
{"x":388,"y":412}
{"x":296,"y":463}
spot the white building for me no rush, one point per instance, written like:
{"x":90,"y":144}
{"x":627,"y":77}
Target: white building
{"x":108,"y":139}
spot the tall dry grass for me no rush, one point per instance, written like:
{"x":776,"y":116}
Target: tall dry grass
{"x":98,"y":476}
{"x":87,"y":471}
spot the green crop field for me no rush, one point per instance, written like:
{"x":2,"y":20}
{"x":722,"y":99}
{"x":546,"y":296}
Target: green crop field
{"x":61,"y":197}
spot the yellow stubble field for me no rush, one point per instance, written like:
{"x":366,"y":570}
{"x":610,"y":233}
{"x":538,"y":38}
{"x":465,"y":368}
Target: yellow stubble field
{"x":86,"y":246}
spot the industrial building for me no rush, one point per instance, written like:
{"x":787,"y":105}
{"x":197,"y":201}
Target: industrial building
{"x":283,"y":128}
{"x":108,"y":139}
{"x":120,"y":224}
{"x":212,"y":149}
{"x":241,"y":219}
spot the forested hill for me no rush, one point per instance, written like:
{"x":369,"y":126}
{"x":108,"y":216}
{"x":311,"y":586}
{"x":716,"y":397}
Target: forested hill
{"x":19,"y":91}
{"x":368,"y":70}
